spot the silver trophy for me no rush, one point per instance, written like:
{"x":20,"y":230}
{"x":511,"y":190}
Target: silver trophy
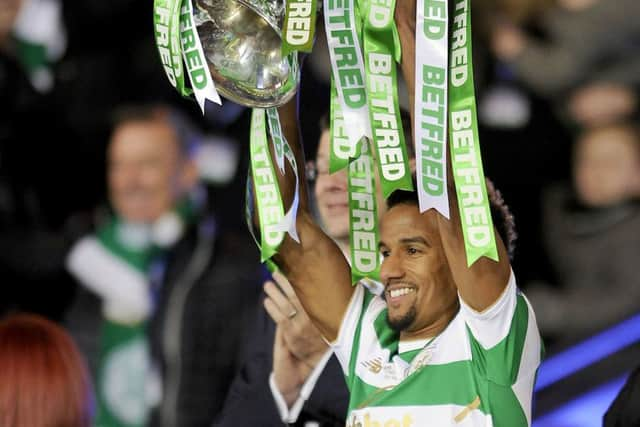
{"x":242,"y":42}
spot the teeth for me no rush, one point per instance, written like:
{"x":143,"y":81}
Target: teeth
{"x":394,"y":293}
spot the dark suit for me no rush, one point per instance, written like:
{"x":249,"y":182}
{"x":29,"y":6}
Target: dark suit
{"x":250,"y":401}
{"x":205,"y":308}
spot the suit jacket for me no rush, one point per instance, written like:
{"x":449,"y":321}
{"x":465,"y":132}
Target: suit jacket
{"x":205,"y":307}
{"x":250,"y":400}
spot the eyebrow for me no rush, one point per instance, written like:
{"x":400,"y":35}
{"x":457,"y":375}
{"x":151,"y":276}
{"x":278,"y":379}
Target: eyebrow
{"x":417,"y":239}
{"x":408,"y":241}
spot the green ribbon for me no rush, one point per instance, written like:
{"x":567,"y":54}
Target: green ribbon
{"x":299,"y":26}
{"x":288,"y":223}
{"x":265,"y":185}
{"x":382,"y":96}
{"x":166,"y":26}
{"x":363,"y":217}
{"x":473,"y":202}
{"x":195,"y":60}
{"x":342,"y":25}
{"x":273,"y":221}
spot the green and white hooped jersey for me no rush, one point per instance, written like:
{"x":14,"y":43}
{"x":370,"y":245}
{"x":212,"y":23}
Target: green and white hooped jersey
{"x":479,"y":371}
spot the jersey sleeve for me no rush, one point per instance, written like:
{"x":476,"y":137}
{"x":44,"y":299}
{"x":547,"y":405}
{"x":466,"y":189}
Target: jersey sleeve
{"x":344,"y":343}
{"x":505,"y":340}
{"x":491,"y":325}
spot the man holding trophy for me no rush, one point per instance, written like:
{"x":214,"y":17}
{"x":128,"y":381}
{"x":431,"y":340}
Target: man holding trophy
{"x":450,"y":340}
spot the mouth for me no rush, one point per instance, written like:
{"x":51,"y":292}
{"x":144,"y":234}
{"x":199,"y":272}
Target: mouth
{"x":397,"y":294}
{"x":335,"y":208}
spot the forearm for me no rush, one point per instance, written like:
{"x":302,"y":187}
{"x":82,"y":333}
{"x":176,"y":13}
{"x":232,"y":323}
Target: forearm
{"x":320,"y":275}
{"x":315,"y":266}
{"x":288,"y":114}
{"x":406,"y":23}
{"x":481,"y":284}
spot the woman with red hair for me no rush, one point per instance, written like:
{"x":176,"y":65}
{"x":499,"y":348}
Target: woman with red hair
{"x":43,"y":377}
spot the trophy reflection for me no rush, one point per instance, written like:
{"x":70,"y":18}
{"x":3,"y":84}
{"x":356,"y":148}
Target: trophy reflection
{"x":242,"y":42}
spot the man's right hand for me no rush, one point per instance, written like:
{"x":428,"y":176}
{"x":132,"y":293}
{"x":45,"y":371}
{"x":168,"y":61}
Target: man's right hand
{"x":298,"y":345}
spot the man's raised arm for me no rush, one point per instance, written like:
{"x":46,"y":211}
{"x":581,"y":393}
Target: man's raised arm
{"x":481,"y":284}
{"x":316,"y":268}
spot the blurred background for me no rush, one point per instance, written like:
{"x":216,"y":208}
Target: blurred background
{"x":557,"y":89}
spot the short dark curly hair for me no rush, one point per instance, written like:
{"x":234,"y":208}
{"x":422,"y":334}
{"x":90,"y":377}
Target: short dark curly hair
{"x":500,"y":213}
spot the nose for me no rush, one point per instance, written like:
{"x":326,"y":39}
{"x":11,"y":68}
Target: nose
{"x":391,"y":269}
{"x":336,"y":181}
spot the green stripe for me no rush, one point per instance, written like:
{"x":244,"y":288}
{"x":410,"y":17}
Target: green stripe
{"x":449,"y":384}
{"x":115,"y":336}
{"x":505,"y":407}
{"x":136,"y":258}
{"x":353,"y":378}
{"x":387,"y":337}
{"x":500,"y":364}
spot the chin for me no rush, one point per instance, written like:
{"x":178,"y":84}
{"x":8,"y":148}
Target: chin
{"x":402,"y":321}
{"x":338,"y":232}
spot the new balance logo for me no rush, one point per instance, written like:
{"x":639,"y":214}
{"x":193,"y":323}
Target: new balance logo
{"x":374,"y":365}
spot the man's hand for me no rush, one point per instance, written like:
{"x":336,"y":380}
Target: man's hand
{"x":298,"y":345}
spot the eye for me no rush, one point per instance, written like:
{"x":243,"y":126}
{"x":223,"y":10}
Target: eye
{"x":412,"y":251}
{"x":384,"y":252}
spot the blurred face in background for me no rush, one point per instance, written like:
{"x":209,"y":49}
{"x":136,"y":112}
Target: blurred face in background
{"x":331,"y":191}
{"x":332,"y":194}
{"x":607,"y":166}
{"x":147,"y":173}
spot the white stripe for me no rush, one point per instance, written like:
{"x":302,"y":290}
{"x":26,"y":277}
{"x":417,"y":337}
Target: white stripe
{"x":453,"y":344}
{"x":123,"y":289}
{"x":358,"y":118}
{"x":343,"y":344}
{"x":431,"y":53}
{"x":373,"y":364}
{"x":492,"y":325}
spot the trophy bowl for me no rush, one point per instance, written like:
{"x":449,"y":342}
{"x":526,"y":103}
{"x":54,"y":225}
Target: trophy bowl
{"x":242,"y":43}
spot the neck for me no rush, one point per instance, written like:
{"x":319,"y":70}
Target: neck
{"x":433,"y":328}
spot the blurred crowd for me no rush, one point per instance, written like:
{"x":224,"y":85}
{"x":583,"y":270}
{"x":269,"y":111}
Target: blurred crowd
{"x":122,"y":207}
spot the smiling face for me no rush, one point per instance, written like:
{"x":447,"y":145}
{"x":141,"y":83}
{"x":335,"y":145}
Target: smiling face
{"x":147,"y":173}
{"x":332,"y":194}
{"x":419,"y":290}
